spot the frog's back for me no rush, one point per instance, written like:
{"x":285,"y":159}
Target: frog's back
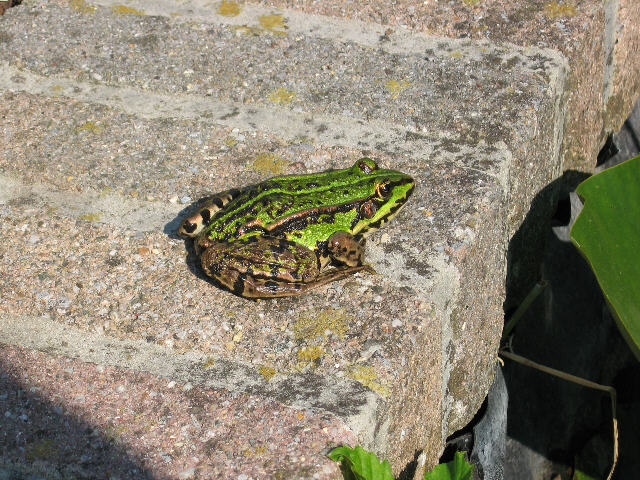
{"x":282,"y":204}
{"x":304,"y":208}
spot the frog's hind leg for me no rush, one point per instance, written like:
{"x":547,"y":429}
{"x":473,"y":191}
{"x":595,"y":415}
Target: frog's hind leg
{"x":261,"y":267}
{"x":268,"y":267}
{"x":207,"y":208}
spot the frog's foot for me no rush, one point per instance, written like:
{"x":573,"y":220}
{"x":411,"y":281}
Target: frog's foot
{"x":369,"y":269}
{"x":346,"y":249}
{"x":209,"y":206}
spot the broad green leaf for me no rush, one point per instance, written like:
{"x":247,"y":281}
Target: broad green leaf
{"x":456,"y":469}
{"x":358,"y":464}
{"x":607,"y":233}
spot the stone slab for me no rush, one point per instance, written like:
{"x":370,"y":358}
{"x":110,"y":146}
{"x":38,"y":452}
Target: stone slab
{"x":623,"y":84}
{"x":63,"y":418}
{"x":599,"y":40}
{"x":306,"y":74}
{"x":113,"y":121}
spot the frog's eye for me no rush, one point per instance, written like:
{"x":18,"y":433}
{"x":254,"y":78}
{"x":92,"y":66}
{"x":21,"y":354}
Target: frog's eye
{"x":368,"y":209}
{"x":366,"y":165}
{"x":383,"y":189}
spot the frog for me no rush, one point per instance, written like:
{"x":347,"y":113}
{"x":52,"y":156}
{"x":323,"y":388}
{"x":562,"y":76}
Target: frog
{"x":292,"y":233}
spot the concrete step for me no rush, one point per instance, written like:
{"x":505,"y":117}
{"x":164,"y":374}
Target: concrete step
{"x":116,"y":118}
{"x":97,"y":421}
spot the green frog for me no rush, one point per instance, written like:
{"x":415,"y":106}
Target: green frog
{"x":277,"y":238}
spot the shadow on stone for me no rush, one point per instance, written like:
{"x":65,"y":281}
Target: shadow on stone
{"x":526,"y":249}
{"x":7,"y":4}
{"x":408,"y":471}
{"x":39,"y":440}
{"x":569,"y":328}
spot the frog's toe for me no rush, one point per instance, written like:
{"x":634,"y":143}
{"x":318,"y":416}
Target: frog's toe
{"x":368,"y":268}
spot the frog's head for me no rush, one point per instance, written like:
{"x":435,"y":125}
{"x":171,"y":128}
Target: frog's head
{"x":388,"y":191}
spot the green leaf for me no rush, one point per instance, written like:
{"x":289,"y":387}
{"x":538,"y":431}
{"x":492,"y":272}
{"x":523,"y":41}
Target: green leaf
{"x":579,"y":475}
{"x":456,"y":469}
{"x":607,"y":233}
{"x":358,"y":464}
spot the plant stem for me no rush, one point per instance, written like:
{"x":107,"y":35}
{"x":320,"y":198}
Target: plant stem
{"x":579,"y":381}
{"x":528,"y":300}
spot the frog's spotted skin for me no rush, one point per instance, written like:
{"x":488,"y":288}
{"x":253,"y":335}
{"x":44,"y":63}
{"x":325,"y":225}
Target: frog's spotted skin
{"x":194,"y":224}
{"x":275,"y":238}
{"x":342,"y":249}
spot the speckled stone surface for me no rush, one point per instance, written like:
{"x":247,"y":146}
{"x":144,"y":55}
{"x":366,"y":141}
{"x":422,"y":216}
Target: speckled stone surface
{"x":303,"y":74}
{"x":624,"y":81}
{"x":116,"y":118}
{"x":63,"y":418}
{"x":111,"y":174}
{"x":599,"y":39}
{"x":129,"y":284}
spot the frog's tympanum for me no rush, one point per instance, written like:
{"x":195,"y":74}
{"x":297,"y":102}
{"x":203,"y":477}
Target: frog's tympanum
{"x":290,"y":234}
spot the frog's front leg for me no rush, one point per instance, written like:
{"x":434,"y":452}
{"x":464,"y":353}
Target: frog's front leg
{"x":264,"y":267}
{"x":346,"y":249}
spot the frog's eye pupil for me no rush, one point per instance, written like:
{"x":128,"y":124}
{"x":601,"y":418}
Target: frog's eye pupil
{"x":368,"y":209}
{"x":383,"y":189}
